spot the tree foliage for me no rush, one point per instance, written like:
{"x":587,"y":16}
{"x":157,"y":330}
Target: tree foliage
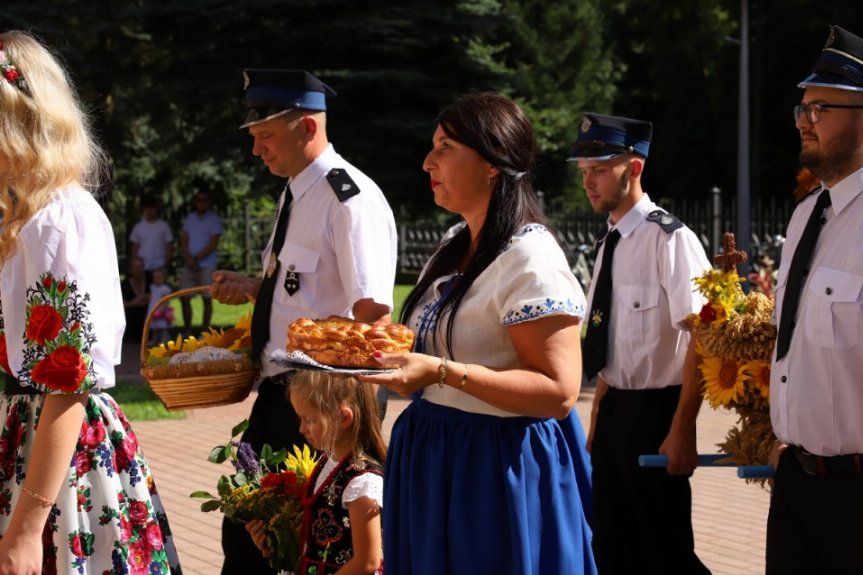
{"x":164,"y":81}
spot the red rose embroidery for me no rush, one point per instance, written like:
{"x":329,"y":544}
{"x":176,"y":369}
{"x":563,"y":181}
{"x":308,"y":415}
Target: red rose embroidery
{"x":4,"y":357}
{"x":138,"y":512}
{"x":82,"y":463}
{"x":62,"y":369}
{"x":45,"y":324}
{"x":92,"y":435}
{"x":154,"y":536}
{"x":46,"y":283}
{"x":76,"y":546}
{"x":61,"y":287}
{"x":139,"y":558}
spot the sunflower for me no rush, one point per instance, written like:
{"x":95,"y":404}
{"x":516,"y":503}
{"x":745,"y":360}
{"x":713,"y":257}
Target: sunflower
{"x":758,"y":373}
{"x":723,"y":380}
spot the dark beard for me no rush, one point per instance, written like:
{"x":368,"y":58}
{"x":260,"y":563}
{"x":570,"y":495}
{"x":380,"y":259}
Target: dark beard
{"x":837,"y":159}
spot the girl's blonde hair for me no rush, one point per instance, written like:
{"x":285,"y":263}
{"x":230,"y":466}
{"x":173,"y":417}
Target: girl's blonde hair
{"x":45,"y":138}
{"x":327,"y":393}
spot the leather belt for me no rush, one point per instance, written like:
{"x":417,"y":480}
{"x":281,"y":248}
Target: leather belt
{"x":12,"y":387}
{"x":835,"y":465}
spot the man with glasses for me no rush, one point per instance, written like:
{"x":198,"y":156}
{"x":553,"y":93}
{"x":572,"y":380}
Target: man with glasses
{"x":816,"y":392}
{"x":639,"y":349}
{"x":199,"y":241}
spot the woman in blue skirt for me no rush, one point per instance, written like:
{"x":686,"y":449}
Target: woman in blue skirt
{"x":486,"y":471}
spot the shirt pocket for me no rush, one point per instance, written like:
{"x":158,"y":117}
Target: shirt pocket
{"x":832,"y":308}
{"x":638,"y":306}
{"x":303,"y":262}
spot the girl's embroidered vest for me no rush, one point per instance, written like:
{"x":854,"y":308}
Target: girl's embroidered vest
{"x":326,"y":524}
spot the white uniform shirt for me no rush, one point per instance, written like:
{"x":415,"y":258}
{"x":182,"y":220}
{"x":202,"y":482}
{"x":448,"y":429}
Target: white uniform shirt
{"x":530,"y":280}
{"x":816,"y":394}
{"x":342,"y":251}
{"x":71,"y":242}
{"x":653,"y":293}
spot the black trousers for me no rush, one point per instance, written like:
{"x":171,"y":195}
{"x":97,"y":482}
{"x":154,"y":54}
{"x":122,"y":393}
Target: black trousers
{"x":815,"y":524}
{"x":642,"y":520}
{"x":273,"y":421}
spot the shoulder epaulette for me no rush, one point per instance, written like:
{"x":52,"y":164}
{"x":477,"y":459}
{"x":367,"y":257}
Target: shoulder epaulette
{"x":342,"y":184}
{"x":666,"y":221}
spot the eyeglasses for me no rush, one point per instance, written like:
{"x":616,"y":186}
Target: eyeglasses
{"x":813,"y":111}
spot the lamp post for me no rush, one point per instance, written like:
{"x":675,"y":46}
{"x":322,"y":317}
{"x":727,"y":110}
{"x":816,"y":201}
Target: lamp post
{"x":744,"y":233}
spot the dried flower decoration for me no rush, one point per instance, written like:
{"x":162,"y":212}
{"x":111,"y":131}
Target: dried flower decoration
{"x":10,"y":73}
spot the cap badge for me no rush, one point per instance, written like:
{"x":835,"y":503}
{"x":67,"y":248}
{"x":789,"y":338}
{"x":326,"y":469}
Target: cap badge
{"x":245,"y":81}
{"x":831,"y":38}
{"x":585,"y":124}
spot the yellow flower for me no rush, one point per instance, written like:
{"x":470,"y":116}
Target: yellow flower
{"x":301,"y":462}
{"x":758,"y":372}
{"x":245,"y":321}
{"x":723,"y":380}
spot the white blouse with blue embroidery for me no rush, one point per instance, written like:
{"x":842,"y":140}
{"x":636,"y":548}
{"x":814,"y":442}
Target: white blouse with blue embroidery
{"x":529,"y":280}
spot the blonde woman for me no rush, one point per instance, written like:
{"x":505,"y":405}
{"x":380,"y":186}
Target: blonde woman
{"x":76,"y":495}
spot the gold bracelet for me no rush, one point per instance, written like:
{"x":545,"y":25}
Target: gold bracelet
{"x":442,"y":371}
{"x":463,"y":379}
{"x":43,"y":502}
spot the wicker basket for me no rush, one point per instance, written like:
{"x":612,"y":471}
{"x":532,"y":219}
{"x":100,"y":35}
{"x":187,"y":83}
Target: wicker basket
{"x":194,"y":385}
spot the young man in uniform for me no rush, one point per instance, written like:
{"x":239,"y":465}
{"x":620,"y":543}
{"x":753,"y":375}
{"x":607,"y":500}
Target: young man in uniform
{"x":637,"y":345}
{"x":332,"y":252}
{"x":815,"y":523}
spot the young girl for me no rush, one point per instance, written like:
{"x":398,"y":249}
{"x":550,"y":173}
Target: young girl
{"x":163,"y":318}
{"x":341,"y":525}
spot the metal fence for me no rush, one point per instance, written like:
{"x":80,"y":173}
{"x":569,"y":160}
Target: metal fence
{"x":245,"y":236}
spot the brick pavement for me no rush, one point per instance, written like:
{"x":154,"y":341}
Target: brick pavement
{"x":729,"y":516}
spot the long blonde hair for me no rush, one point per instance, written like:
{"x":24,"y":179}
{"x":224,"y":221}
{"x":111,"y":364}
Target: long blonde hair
{"x":327,"y":393}
{"x":45,"y":137}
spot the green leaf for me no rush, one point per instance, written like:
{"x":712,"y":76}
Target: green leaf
{"x":240,"y":479}
{"x":217,"y":454}
{"x":213,"y":505}
{"x":240,"y":428}
{"x":202,"y":495}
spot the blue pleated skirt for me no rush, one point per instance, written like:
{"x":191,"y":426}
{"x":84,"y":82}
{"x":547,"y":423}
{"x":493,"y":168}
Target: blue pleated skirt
{"x":471,"y":493}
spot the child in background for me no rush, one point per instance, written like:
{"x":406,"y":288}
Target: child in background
{"x":163,"y":318}
{"x":341,"y":525}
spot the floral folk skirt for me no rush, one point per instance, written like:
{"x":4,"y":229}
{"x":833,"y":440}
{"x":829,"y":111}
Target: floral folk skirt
{"x":107,"y":517}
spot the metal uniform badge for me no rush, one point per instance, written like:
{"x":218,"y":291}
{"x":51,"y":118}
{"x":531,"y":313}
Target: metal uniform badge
{"x":292,"y":281}
{"x":585,"y":124}
{"x":666,"y":220}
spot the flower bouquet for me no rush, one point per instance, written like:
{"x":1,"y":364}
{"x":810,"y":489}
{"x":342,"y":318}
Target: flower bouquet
{"x":734,"y":339}
{"x":270,"y":488}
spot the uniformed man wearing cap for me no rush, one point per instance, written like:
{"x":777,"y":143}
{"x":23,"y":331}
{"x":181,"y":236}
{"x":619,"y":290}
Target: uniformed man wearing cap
{"x":638,"y":348}
{"x":816,"y":391}
{"x":332,"y":252}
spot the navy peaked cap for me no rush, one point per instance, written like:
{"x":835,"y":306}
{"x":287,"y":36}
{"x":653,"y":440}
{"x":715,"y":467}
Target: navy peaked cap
{"x":840,"y":64}
{"x":271,"y":93}
{"x":602,"y":137}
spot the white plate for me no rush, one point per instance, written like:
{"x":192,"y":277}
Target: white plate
{"x":299,"y":360}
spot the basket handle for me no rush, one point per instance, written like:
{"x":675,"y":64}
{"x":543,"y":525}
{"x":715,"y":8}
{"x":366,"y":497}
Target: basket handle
{"x":145,"y":337}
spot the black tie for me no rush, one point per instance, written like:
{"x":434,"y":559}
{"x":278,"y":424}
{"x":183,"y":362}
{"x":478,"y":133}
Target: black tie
{"x":595,"y":348}
{"x":797,"y":273}
{"x":264,"y":301}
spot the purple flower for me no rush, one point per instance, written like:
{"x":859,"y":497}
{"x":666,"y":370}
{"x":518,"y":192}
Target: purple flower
{"x":247,"y":460}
